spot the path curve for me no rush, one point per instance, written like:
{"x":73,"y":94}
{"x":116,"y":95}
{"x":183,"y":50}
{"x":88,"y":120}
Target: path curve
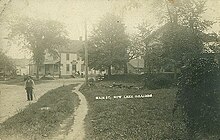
{"x":77,"y":131}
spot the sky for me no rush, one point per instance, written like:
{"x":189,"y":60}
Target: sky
{"x":72,"y":13}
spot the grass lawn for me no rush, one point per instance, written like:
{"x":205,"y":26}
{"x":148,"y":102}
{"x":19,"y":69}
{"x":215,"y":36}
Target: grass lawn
{"x":131,"y":118}
{"x":43,"y":118}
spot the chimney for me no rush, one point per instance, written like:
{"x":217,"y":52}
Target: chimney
{"x":80,"y":38}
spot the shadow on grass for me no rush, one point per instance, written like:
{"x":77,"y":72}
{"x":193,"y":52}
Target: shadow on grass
{"x":43,"y":118}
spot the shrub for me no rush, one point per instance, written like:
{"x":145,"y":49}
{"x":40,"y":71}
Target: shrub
{"x":130,"y":78}
{"x":158,"y":81}
{"x":198,"y":95}
{"x":46,"y":78}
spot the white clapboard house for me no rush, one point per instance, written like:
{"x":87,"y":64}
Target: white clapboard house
{"x":69,"y":62}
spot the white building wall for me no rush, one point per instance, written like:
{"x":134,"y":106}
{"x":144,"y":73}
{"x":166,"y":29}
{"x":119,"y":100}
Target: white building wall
{"x":72,"y":58}
{"x":79,"y":65}
{"x":25,"y":70}
{"x":22,"y":70}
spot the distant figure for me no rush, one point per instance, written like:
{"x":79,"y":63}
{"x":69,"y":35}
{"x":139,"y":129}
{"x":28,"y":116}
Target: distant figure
{"x":29,"y":86}
{"x":78,"y":74}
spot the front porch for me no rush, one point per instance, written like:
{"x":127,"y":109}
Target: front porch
{"x":46,"y":69}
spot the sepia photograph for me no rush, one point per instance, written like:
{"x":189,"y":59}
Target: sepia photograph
{"x":109,"y":69}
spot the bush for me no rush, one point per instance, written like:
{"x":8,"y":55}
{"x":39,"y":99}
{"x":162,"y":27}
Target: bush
{"x":158,"y":81}
{"x":128,"y":78}
{"x":46,"y":78}
{"x":198,"y":96}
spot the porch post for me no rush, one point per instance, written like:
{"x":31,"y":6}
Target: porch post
{"x":45,"y":69}
{"x":29,"y":69}
{"x":53,"y":70}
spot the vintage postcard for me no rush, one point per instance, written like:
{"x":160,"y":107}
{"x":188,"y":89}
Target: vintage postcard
{"x":109,"y":70}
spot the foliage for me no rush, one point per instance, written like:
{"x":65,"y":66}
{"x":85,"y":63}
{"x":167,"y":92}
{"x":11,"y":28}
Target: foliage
{"x":158,"y":80}
{"x":190,"y":12}
{"x":184,"y":12}
{"x":46,"y":78}
{"x":6,"y":64}
{"x":180,"y":43}
{"x":5,"y":60}
{"x":180,"y":38}
{"x":39,"y":36}
{"x":3,"y":6}
{"x":108,"y":44}
{"x":129,"y":78}
{"x":137,"y":46}
{"x":199,"y":95}
{"x":150,"y":47}
{"x":153,"y":58}
{"x":135,"y":49}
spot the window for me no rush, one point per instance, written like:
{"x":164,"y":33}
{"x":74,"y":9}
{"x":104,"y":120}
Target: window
{"x":67,"y":56}
{"x":56,"y":67}
{"x":78,"y":58}
{"x":74,"y":68}
{"x":82,"y":67}
{"x":67,"y":67}
{"x":40,"y":68}
{"x":47,"y":68}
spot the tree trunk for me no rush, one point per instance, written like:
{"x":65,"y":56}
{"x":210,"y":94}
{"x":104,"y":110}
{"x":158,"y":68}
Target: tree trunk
{"x":125,"y":68}
{"x":169,"y":12}
{"x":109,"y":71}
{"x":37,"y":74}
{"x":59,"y":69}
{"x":145,"y":66}
{"x":45,"y":71}
{"x":5,"y":72}
{"x":53,"y":70}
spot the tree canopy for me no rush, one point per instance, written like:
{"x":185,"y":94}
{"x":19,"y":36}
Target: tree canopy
{"x":39,"y":36}
{"x":6,"y":65}
{"x":181,"y":37}
{"x":108,"y":44}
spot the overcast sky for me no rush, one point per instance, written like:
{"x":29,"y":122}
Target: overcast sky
{"x":72,"y":13}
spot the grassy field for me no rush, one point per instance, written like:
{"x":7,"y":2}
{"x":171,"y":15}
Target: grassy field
{"x":131,"y":116}
{"x":43,"y":118}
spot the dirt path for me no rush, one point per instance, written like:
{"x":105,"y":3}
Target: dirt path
{"x":77,"y":131}
{"x":13,"y":98}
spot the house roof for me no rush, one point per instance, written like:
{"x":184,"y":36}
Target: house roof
{"x":207,"y":37}
{"x":137,"y":63}
{"x":74,"y":46}
{"x":51,"y":61}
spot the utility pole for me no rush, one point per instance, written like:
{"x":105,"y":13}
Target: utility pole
{"x":86,"y":54}
{"x":4,"y":71}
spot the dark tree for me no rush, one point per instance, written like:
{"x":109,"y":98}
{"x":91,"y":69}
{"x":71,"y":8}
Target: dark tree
{"x":39,"y":36}
{"x":108,"y":44}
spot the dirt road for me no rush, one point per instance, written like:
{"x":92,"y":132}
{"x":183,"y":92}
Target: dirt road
{"x":13,"y":98}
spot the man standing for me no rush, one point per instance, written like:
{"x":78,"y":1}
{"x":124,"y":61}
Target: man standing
{"x":29,"y":86}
